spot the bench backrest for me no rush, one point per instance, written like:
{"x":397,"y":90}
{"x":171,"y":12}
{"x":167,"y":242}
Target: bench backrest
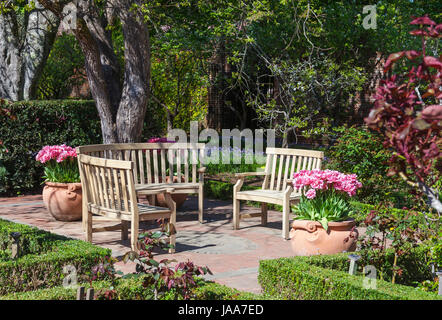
{"x":281,"y":163}
{"x":108,"y":185}
{"x":151,"y":160}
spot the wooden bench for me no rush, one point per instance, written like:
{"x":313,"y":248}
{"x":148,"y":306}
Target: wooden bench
{"x":159,"y":166}
{"x":277,"y":188}
{"x":109,"y":192}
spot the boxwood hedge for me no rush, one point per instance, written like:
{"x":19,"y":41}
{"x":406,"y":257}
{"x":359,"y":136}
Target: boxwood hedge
{"x":326,"y":277}
{"x":42,"y":259}
{"x":133,"y":289}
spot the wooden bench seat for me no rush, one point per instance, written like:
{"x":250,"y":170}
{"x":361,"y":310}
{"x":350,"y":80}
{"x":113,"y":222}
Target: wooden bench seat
{"x":269,"y":196}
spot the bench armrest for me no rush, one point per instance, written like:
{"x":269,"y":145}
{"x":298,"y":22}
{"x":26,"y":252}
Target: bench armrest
{"x":250,"y":174}
{"x":148,"y":190}
{"x":242,"y":175}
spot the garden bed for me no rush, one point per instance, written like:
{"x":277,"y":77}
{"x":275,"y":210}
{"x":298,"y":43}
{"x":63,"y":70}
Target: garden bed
{"x":132,"y":289}
{"x":326,"y":277}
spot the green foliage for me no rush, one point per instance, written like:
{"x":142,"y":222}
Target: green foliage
{"x":247,"y":163}
{"x":3,"y":171}
{"x":63,"y":69}
{"x":310,"y":94}
{"x":326,"y":277}
{"x":214,"y":291}
{"x":44,"y":257}
{"x":221,"y":190}
{"x":132,"y":289}
{"x":325,"y":207}
{"x":25,"y":127}
{"x":157,"y":275}
{"x":436,"y":254}
{"x":360,"y":151}
{"x":409,"y":237}
{"x":179,"y":87}
{"x":65,"y":171}
{"x":31,"y":241}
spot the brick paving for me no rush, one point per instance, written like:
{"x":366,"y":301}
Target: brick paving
{"x":232,"y":255}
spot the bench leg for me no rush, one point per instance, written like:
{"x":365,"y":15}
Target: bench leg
{"x":200,"y":203}
{"x":134,"y":224}
{"x":285,"y":219}
{"x":172,"y":220}
{"x":236,"y":212}
{"x":263,"y":213}
{"x":88,"y":224}
{"x":124,"y":230}
{"x":84,"y":214}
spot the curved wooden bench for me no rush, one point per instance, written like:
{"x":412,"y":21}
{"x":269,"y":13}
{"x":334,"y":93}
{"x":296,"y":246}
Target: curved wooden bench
{"x":109,"y":192}
{"x":158,"y":166}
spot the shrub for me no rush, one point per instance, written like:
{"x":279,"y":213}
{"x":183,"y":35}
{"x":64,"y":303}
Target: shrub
{"x":25,"y":127}
{"x":325,"y":277}
{"x":31,"y":241}
{"x":132,"y":289}
{"x":359,"y":151}
{"x":43,"y":257}
{"x":247,"y":157}
{"x":221,"y":190}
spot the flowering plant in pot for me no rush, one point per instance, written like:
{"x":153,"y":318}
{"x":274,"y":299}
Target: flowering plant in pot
{"x":62,"y":192}
{"x":322,"y":224}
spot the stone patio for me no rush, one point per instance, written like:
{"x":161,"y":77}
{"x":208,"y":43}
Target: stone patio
{"x":232,"y":255}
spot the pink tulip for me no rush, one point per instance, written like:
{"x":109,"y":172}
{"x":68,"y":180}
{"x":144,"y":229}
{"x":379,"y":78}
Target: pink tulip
{"x":326,"y":179}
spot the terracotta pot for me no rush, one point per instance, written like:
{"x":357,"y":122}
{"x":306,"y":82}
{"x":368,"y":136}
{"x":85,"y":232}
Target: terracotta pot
{"x":63,"y":200}
{"x":179,"y":198}
{"x":310,"y":238}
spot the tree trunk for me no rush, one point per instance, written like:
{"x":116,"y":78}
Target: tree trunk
{"x":135,"y":96}
{"x":121,"y":106}
{"x":216,"y":89}
{"x":25,"y":43}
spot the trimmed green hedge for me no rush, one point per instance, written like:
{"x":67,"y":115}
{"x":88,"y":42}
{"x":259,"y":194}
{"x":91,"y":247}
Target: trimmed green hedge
{"x":31,"y":241}
{"x":27,"y":126}
{"x":326,"y":277}
{"x":45,"y":255}
{"x":132,"y":289}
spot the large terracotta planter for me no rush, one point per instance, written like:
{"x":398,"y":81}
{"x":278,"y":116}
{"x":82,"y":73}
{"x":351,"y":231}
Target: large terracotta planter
{"x":179,"y":198}
{"x":63,"y":200}
{"x":310,"y":238}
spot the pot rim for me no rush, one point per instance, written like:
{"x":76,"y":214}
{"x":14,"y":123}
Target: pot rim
{"x":345,"y":223}
{"x":63,"y":184}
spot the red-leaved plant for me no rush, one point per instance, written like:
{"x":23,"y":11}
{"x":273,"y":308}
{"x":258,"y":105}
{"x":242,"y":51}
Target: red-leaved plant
{"x":159,"y":275}
{"x":408,"y":112}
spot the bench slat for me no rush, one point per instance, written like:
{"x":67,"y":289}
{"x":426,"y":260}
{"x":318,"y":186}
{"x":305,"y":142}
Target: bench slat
{"x":163,"y":165}
{"x":155,"y":165}
{"x":186,"y":165}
